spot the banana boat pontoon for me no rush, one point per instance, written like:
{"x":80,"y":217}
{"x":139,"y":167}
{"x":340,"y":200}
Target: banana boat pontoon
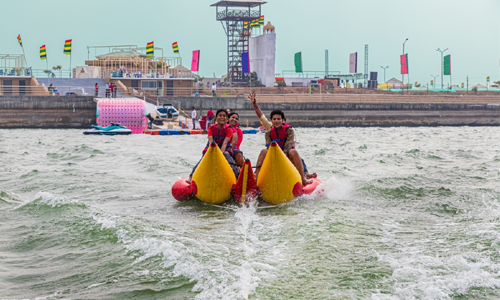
{"x":214,"y":182}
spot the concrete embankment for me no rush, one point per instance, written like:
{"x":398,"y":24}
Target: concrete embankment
{"x":47,"y":112}
{"x":381,"y":118}
{"x":331,"y":114}
{"x":80,"y":112}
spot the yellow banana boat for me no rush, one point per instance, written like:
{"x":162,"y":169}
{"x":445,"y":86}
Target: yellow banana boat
{"x":279,"y":181}
{"x":213,"y":179}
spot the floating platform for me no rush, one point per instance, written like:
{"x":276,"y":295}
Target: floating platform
{"x":188,"y":131}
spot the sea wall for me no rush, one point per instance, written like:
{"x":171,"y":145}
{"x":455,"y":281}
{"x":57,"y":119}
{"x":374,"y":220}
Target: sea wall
{"x":381,"y":118}
{"x":80,"y":112}
{"x":47,"y":111}
{"x":241,"y":103}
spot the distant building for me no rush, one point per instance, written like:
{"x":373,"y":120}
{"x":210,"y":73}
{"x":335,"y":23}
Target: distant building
{"x":262,"y":51}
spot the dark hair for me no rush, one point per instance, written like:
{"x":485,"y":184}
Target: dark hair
{"x":221,"y":110}
{"x":192,"y":107}
{"x":234,"y":113}
{"x":277,"y":112}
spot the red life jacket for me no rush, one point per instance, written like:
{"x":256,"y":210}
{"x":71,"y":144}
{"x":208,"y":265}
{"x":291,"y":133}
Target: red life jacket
{"x":240,"y":136}
{"x":280,"y":138}
{"x":219,"y":136}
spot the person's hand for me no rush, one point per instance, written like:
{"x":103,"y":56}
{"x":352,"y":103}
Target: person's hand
{"x":252,"y":98}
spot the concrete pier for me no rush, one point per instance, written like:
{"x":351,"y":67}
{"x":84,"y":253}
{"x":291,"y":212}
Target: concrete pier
{"x":47,"y":112}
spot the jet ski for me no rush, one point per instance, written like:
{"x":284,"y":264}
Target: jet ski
{"x":113,"y":129}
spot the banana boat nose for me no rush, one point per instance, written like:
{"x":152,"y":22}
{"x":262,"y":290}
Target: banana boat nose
{"x":213,"y":179}
{"x":279,"y":181}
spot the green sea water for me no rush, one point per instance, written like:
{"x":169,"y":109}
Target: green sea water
{"x":408,"y":213}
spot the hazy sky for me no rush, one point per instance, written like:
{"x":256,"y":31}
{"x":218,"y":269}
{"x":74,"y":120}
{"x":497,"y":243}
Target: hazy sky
{"x":470,"y":29}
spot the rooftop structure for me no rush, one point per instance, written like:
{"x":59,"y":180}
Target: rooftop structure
{"x":13,"y":65}
{"x":131,"y":61}
{"x":232,"y":14}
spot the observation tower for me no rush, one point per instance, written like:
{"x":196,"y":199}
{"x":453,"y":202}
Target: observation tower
{"x":232,"y":14}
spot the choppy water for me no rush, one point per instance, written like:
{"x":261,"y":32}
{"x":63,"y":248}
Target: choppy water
{"x":409,"y":213}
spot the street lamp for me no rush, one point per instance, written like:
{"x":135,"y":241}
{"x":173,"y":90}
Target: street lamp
{"x":403,"y":75}
{"x":434,"y":85}
{"x":384,"y":71}
{"x":442,"y":70}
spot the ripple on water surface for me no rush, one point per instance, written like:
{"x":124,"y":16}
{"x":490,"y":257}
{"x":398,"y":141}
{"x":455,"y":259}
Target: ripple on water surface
{"x":408,"y":213}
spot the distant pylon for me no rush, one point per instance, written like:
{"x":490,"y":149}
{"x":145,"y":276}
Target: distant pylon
{"x":366,"y":63}
{"x":326,"y":62}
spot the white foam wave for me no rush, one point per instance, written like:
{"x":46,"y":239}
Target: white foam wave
{"x":106,"y":222}
{"x":422,"y":273}
{"x":221,"y":271}
{"x":47,"y":198}
{"x":420,"y":276}
{"x":333,"y":189}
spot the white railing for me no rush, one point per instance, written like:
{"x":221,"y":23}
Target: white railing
{"x":263,"y":95}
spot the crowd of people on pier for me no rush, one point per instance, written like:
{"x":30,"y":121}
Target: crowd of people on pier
{"x":110,"y":90}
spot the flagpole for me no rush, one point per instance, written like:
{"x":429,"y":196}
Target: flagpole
{"x":70,"y":71}
{"x":25,"y":61}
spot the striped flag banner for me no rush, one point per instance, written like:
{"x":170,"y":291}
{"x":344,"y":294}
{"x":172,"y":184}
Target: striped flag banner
{"x":255,"y":23}
{"x":150,"y":49}
{"x":67,"y":47}
{"x":43,"y":53}
{"x":261,"y":20}
{"x":488,"y":79}
{"x":245,"y":25}
{"x":19,"y":40}
{"x":175,"y":47}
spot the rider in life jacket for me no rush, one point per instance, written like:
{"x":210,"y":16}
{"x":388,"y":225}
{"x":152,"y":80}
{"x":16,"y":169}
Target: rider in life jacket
{"x":268,"y":125}
{"x":221,"y":133}
{"x":234,"y":120}
{"x":283,"y":135}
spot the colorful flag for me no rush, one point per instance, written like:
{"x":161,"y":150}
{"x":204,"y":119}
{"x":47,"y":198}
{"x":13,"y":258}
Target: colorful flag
{"x":298,"y":62}
{"x":43,"y":52}
{"x":150,"y":49}
{"x":254,"y":23}
{"x":488,"y":79}
{"x":447,"y":64}
{"x":353,"y":62}
{"x":261,"y":20}
{"x":19,"y":40}
{"x":462,"y":85}
{"x":195,"y":62}
{"x":245,"y":25}
{"x":432,"y":82}
{"x":67,"y":47}
{"x":404,"y":63}
{"x":175,"y":47}
{"x":245,"y":63}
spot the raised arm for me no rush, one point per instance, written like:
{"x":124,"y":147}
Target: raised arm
{"x":253,"y":99}
{"x":263,"y":120}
